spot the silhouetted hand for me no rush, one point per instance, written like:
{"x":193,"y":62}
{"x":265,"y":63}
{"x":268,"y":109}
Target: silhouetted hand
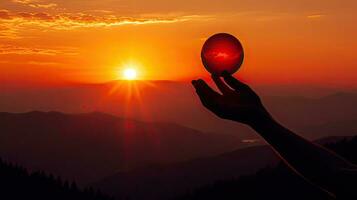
{"x":238,"y":102}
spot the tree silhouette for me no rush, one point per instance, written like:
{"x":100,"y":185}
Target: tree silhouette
{"x":17,"y":183}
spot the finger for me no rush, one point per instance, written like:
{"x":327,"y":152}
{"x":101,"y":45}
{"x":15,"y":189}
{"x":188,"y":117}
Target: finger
{"x":203,"y":89}
{"x":235,"y":83}
{"x":221,"y":85}
{"x":206,"y":94}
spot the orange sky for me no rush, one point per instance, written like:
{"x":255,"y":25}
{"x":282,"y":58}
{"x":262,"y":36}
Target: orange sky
{"x":296,"y":41}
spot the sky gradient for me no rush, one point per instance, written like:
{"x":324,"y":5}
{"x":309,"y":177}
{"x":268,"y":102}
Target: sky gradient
{"x":285,"y":42}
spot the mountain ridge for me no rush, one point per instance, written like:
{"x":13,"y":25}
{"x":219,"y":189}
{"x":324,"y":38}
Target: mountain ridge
{"x":84,"y":147}
{"x":165,"y":181}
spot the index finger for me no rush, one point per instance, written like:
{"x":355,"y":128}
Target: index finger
{"x":202,"y":88}
{"x":235,"y":83}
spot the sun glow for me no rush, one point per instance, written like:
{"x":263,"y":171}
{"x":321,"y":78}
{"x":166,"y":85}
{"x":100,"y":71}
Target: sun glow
{"x":129,"y":74}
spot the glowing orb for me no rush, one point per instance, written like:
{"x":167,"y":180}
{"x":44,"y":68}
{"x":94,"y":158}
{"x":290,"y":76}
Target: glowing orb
{"x":222,"y":52}
{"x":130,"y":74}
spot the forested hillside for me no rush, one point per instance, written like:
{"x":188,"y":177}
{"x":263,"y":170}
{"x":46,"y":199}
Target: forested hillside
{"x":16,"y":183}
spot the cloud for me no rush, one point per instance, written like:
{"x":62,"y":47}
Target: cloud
{"x":316,"y":16}
{"x":30,"y":62}
{"x":19,"y":50}
{"x":13,"y":23}
{"x":35,"y":3}
{"x":4,"y":14}
{"x":41,"y":63}
{"x":100,"y":11}
{"x":250,"y":140}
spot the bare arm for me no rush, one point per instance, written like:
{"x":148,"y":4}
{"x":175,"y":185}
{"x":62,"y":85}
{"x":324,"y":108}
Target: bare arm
{"x":240,"y":103}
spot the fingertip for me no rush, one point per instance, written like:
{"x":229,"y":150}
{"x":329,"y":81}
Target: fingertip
{"x":195,"y":84}
{"x":200,"y":81}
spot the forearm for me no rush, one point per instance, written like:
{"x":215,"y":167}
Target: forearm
{"x":312,"y":161}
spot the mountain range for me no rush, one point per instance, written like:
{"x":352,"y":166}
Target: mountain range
{"x":298,"y":108}
{"x":169,"y":181}
{"x":131,"y":158}
{"x":88,"y":147}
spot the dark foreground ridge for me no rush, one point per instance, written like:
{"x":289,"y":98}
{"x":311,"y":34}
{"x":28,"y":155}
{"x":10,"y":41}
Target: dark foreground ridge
{"x":16,"y":183}
{"x":269,"y":183}
{"x":274,"y":183}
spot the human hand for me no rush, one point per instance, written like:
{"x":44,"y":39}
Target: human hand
{"x":238,"y":102}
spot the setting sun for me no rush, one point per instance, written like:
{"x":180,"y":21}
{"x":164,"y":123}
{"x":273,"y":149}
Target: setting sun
{"x":130,"y":74}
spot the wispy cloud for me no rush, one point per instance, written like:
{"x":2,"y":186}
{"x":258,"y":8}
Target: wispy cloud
{"x":315,"y":16}
{"x":250,"y":140}
{"x":100,"y":11}
{"x":35,"y":3}
{"x":20,"y":50}
{"x":14,"y":22}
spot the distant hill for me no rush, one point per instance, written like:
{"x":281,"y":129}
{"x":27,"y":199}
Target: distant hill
{"x":165,"y":181}
{"x":276,"y":183}
{"x":88,"y":147}
{"x":313,"y":117}
{"x":17,"y":183}
{"x":331,"y":128}
{"x":297,"y":107}
{"x":168,"y":181}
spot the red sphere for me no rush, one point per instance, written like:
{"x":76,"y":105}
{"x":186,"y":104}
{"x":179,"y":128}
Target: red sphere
{"x":222,"y":52}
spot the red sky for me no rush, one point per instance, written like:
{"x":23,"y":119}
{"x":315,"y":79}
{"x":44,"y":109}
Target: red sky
{"x":285,"y":42}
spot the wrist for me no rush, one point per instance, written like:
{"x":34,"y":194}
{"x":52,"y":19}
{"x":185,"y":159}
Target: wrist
{"x":262,"y":121}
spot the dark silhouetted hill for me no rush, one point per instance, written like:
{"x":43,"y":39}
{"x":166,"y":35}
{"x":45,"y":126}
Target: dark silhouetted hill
{"x":168,"y":181}
{"x":88,"y":147}
{"x":165,"y":181}
{"x":16,"y":183}
{"x":278,"y":182}
{"x":297,"y":107}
